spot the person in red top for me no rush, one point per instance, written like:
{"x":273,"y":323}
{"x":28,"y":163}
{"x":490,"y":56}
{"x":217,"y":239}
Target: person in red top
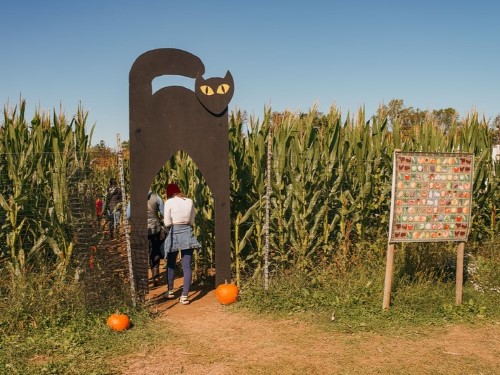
{"x":98,"y":210}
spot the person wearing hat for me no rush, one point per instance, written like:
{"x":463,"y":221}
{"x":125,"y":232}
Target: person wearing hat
{"x":179,"y":213}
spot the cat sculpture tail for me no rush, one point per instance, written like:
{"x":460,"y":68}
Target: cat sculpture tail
{"x":162,"y":61}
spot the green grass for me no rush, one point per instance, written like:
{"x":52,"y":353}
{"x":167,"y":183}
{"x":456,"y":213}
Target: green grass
{"x":352,"y":300}
{"x":54,"y":326}
{"x":82,"y":346}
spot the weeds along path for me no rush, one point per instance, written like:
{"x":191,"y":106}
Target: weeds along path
{"x":208,"y":338}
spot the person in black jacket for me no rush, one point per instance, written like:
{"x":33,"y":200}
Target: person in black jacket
{"x":113,"y":207}
{"x":155,"y":231}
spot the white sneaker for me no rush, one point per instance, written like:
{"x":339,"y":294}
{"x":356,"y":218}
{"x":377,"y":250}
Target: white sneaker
{"x":169,"y":294}
{"x":184,"y":300}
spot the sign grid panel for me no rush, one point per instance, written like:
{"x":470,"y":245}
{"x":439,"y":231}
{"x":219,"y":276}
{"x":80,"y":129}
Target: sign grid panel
{"x":431,"y":197}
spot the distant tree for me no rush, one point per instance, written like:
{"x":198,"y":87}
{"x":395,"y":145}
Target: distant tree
{"x":415,"y":117}
{"x":445,"y":117}
{"x":392,"y":110}
{"x":103,"y":156}
{"x":407,"y":116}
{"x":320,"y":120}
{"x":126,"y":150}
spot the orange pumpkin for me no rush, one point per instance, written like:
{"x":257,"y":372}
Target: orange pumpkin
{"x":118,"y":322}
{"x":226,"y":293}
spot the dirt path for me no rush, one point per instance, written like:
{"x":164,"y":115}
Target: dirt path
{"x":209,"y":338}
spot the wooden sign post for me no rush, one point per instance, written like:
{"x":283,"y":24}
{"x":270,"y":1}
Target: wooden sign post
{"x":388,"y":276}
{"x":460,"y":273}
{"x":431,"y":202}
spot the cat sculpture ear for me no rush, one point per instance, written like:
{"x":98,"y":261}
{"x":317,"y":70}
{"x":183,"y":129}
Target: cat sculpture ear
{"x":229,"y":84}
{"x":229,"y":78}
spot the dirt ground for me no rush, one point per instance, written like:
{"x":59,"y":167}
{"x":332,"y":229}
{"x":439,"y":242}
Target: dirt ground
{"x":208,"y":338}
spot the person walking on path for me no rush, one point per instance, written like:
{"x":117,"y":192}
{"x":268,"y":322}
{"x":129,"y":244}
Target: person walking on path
{"x":113,"y":206}
{"x":155,"y":230}
{"x":179,"y":217}
{"x":156,"y":233}
{"x":99,"y":204}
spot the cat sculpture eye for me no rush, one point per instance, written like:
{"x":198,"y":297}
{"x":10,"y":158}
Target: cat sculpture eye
{"x":222,"y":89}
{"x":207,"y":90}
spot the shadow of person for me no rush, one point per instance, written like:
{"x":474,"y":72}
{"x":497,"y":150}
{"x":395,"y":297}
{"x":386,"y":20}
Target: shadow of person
{"x":199,"y":290}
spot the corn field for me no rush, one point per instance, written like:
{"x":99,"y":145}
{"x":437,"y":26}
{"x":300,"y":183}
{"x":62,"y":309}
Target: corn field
{"x":330,"y":186}
{"x":44,"y":175}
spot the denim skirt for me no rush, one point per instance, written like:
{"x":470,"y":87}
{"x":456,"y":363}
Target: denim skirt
{"x":180,"y":237}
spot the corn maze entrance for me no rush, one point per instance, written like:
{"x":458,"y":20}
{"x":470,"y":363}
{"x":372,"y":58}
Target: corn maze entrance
{"x":175,"y":119}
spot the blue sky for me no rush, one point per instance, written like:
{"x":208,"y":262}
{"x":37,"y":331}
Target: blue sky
{"x":283,"y":54}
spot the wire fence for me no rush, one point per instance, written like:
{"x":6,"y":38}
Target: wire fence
{"x":56,"y":217}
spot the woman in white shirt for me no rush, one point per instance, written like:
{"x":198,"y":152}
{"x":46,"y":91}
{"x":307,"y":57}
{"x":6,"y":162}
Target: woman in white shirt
{"x":179,"y":213}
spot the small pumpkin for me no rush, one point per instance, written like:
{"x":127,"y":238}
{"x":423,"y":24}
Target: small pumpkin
{"x":118,"y":322}
{"x":226,"y":293}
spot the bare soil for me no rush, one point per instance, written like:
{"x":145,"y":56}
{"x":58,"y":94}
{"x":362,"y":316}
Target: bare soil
{"x":206,"y":338}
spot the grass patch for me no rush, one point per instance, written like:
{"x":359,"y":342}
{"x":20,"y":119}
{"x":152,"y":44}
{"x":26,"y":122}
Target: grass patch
{"x":50,"y":325}
{"x":423,"y":293}
{"x":79,"y":347}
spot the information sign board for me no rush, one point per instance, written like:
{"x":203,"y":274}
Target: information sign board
{"x":431,"y":197}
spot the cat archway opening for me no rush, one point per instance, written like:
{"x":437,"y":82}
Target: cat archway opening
{"x":182,"y":170}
